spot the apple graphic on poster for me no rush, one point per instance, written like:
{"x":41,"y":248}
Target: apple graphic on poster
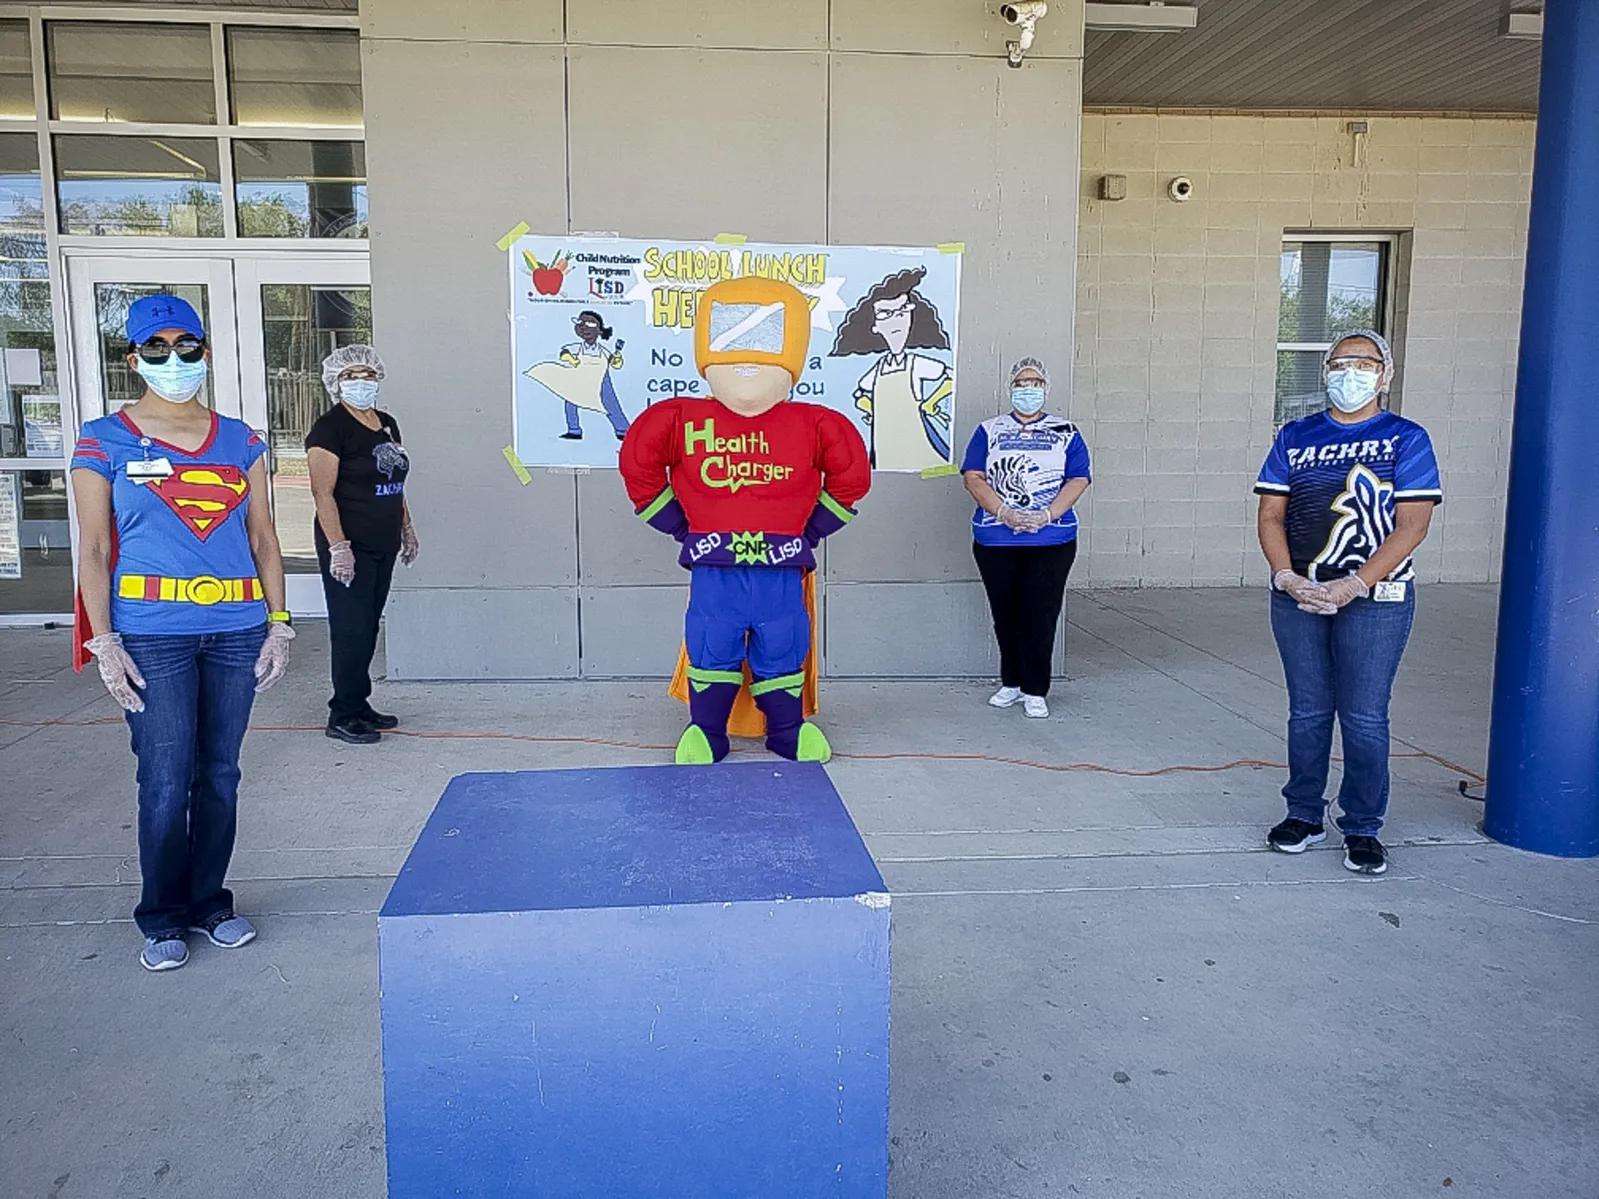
{"x":547,"y":277}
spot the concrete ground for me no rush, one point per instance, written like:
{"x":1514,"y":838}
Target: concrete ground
{"x":1103,"y":985}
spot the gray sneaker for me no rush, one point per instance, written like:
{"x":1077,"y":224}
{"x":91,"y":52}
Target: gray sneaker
{"x":226,"y":930}
{"x":164,"y":953}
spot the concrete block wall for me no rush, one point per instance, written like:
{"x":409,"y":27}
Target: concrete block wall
{"x":894,"y":122}
{"x":1175,"y":369}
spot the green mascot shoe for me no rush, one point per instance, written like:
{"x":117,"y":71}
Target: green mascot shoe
{"x":813,"y":746}
{"x":693,"y":749}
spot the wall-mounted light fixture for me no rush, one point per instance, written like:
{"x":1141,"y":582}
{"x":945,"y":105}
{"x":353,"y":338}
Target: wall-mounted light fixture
{"x":1142,"y":18}
{"x":1527,"y":26}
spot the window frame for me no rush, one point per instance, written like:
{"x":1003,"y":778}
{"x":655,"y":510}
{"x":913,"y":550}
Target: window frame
{"x":1387,"y":289}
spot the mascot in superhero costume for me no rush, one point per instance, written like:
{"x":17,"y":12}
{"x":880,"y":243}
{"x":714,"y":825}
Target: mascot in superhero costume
{"x":749,"y":482}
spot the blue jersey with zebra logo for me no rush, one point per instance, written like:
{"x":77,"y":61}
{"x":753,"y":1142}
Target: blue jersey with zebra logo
{"x":1343,"y":483}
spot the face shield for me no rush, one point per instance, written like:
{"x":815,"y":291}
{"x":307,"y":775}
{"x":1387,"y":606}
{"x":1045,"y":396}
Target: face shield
{"x":752,"y":322}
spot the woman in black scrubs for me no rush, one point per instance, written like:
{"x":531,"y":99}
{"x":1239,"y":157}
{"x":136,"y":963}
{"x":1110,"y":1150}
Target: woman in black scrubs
{"x":358,"y":468}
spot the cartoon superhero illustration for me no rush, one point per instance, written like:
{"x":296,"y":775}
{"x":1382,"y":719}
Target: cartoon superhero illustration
{"x":749,"y":481}
{"x":581,"y":376}
{"x":905,"y":398}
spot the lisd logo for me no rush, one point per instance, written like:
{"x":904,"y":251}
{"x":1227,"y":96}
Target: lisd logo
{"x":606,"y":289}
{"x":729,"y":461}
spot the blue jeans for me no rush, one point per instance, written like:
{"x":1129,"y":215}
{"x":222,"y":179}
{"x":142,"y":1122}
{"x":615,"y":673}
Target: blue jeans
{"x":613,"y":410}
{"x":197,"y":696}
{"x":1340,"y":665}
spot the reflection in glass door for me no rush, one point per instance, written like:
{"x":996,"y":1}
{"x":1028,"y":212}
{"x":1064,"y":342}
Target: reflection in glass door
{"x":119,"y":384}
{"x":294,"y":312}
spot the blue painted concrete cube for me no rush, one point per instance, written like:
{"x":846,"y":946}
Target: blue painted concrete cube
{"x":649,"y":981}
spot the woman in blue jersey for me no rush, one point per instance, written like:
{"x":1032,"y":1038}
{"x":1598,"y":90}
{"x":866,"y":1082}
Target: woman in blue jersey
{"x":181,"y":588}
{"x":1025,"y":469}
{"x":1346,"y":496}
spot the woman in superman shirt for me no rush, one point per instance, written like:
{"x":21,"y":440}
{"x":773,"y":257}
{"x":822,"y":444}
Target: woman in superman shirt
{"x":181,"y":591}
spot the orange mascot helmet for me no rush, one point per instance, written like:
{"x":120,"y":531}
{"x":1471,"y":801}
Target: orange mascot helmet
{"x":752,"y":320}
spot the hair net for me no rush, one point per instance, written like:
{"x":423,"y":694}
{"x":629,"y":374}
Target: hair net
{"x":342,"y":359}
{"x":1376,"y":339}
{"x":1023,"y":364}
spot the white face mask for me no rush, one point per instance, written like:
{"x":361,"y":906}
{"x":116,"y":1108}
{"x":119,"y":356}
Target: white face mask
{"x":1350,"y":390}
{"x":174,"y":379}
{"x":359,"y":393}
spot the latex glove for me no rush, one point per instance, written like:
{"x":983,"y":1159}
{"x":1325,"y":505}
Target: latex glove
{"x":341,"y":562}
{"x":409,"y":546}
{"x":273,"y":659}
{"x":1342,"y":591}
{"x":1311,"y":597}
{"x":1016,"y":519}
{"x":117,"y":670}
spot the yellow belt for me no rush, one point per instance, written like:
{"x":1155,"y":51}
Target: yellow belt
{"x":204,"y":590}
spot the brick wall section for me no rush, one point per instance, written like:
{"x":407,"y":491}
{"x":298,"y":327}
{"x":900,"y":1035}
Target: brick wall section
{"x":1174,"y":376}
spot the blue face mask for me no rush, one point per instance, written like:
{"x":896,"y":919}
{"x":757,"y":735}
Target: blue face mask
{"x":1027,"y":400}
{"x":1351,"y":390}
{"x":359,"y":393}
{"x":174,"y":379}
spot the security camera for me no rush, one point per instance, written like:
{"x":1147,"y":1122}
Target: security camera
{"x":1024,"y":13}
{"x":1024,"y":16}
{"x":1181,"y":189}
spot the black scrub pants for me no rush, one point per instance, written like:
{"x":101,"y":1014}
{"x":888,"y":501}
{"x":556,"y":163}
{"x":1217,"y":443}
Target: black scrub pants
{"x":1026,"y":586}
{"x":353,"y":616}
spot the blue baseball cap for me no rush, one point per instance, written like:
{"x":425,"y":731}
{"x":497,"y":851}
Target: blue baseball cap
{"x":150,"y":314}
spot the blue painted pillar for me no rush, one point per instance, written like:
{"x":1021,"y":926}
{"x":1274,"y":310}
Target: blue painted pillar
{"x":1543,"y":754}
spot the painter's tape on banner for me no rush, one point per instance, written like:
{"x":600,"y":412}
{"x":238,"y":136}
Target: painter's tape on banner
{"x":509,"y":240}
{"x":731,"y":239}
{"x":941,"y":472}
{"x":516,"y":465}
{"x":952,"y":247}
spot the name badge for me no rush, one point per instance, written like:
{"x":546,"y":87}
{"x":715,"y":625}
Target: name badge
{"x":1389,"y":593}
{"x":148,"y":470}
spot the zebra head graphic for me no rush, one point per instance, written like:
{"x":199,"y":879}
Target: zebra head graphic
{"x":1365,"y":518}
{"x":390,"y":458}
{"x":1014,"y":478}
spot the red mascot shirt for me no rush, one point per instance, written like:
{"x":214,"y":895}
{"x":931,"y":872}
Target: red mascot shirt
{"x":744,"y":490}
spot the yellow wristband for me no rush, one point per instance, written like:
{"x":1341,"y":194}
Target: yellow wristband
{"x":277,"y":618}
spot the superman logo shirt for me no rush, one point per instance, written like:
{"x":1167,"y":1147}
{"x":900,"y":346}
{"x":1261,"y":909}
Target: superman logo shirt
{"x":1343,"y":483}
{"x":183,"y":563}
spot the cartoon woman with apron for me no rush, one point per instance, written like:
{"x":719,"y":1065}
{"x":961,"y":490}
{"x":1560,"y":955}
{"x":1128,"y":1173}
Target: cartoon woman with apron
{"x":905,"y":398}
{"x":582,"y":376}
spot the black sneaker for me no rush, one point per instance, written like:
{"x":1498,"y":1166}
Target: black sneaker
{"x":1295,"y":836}
{"x":381,"y":721}
{"x":1365,"y":855}
{"x":356,"y":732}
{"x":571,"y":437}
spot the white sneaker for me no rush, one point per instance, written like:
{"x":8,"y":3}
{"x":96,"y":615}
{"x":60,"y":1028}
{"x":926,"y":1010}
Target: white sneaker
{"x":1035,"y":706}
{"x":1005,"y":697}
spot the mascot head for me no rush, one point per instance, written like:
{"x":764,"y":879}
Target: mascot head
{"x":750,"y":340}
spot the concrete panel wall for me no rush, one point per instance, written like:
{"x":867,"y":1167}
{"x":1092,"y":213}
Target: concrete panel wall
{"x":1175,"y":371}
{"x":895,"y":122}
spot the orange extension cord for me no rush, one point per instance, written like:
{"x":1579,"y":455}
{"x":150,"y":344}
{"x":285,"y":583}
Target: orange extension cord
{"x":1090,"y":767}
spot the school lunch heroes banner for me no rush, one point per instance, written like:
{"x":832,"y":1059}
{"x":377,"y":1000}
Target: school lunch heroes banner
{"x":604,"y":327}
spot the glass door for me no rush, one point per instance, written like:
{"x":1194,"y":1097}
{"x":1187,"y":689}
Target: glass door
{"x":292,"y":312}
{"x":99,"y":292}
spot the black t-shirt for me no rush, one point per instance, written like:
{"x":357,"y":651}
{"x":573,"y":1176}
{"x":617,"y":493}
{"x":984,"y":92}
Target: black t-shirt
{"x":370,"y":492}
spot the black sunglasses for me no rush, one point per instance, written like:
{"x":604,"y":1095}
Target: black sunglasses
{"x":155,"y":351}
